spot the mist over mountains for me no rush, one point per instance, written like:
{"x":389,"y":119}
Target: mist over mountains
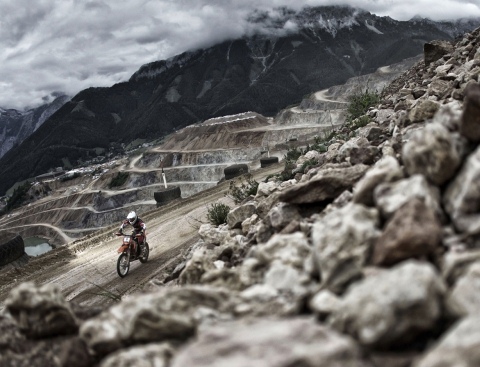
{"x":302,"y":52}
{"x":16,"y":126}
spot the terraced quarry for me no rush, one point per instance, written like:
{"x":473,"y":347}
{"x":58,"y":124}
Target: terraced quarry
{"x":86,"y":204}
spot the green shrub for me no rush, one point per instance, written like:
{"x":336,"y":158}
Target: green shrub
{"x":293,"y":154}
{"x":360,"y":103}
{"x":308,"y":163}
{"x":118,"y":180}
{"x":239,"y":191}
{"x":217,"y":213}
{"x":318,"y":145}
{"x":360,"y":121}
{"x":18,"y":196}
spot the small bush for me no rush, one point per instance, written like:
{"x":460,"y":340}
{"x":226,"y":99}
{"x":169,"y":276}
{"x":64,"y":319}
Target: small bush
{"x":18,"y":197}
{"x":293,"y":154}
{"x":360,"y":121}
{"x":119,"y":179}
{"x":318,"y":145}
{"x":240,"y":191}
{"x":308,"y":163}
{"x":360,"y":103}
{"x":217,"y":213}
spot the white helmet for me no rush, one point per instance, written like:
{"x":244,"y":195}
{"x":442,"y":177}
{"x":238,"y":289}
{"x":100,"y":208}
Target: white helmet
{"x":132,"y":217}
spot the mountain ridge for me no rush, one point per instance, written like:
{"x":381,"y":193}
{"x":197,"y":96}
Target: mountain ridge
{"x":257,"y":73}
{"x":16,"y":126}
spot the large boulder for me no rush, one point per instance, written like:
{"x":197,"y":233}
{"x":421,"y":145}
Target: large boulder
{"x":458,"y":347}
{"x":211,"y":234}
{"x":342,"y":242}
{"x":434,"y":50}
{"x":432,"y":151}
{"x":470,"y":125}
{"x":455,"y":264}
{"x":201,"y":261}
{"x":290,"y":249}
{"x":281,"y":215}
{"x":169,"y":314}
{"x":465,"y":295}
{"x":423,"y":111}
{"x":237,"y":215}
{"x":327,"y":184}
{"x":389,"y":197}
{"x":413,"y":231}
{"x":462,"y":197}
{"x":270,"y":343}
{"x":41,"y":311}
{"x":386,"y":169}
{"x":264,"y":300}
{"x":150,"y":355}
{"x":378,"y":310}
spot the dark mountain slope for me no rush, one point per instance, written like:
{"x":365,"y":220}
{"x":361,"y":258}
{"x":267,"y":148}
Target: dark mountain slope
{"x":260,"y":73}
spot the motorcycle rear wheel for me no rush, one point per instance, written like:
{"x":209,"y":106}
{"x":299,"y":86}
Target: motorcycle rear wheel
{"x":145,"y":252}
{"x":123,"y":265}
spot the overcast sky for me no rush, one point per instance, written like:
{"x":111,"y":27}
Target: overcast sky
{"x":50,"y":46}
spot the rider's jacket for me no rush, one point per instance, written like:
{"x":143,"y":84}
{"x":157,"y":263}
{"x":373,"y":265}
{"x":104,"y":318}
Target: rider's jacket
{"x":138,"y":226}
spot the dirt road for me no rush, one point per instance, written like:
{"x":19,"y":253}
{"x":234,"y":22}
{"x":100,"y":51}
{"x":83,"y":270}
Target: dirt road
{"x":87,"y":267}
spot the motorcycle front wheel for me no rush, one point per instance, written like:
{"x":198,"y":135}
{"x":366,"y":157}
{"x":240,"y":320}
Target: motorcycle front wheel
{"x":123,"y":265}
{"x":144,"y":254}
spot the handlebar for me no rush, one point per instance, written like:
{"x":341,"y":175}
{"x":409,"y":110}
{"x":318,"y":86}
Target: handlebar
{"x":129,"y":235}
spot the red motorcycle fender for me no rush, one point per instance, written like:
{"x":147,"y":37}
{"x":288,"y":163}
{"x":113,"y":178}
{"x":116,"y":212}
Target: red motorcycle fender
{"x":123,"y":248}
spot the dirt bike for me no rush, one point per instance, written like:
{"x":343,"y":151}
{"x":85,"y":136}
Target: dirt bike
{"x":128,"y":252}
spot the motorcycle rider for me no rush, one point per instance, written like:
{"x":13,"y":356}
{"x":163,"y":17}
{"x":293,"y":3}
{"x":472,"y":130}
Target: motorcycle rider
{"x":139,"y":228}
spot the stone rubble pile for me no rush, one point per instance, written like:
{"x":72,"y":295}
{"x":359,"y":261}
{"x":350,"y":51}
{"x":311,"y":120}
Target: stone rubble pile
{"x":371,"y":258}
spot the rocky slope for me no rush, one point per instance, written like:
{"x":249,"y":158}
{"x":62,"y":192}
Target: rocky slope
{"x":262,"y":73}
{"x":370,"y":258}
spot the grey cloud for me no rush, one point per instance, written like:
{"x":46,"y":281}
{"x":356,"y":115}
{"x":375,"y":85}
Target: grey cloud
{"x":56,"y":94}
{"x":20,"y":17}
{"x":110,"y":69}
{"x":51,"y":45}
{"x":96,"y":6}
